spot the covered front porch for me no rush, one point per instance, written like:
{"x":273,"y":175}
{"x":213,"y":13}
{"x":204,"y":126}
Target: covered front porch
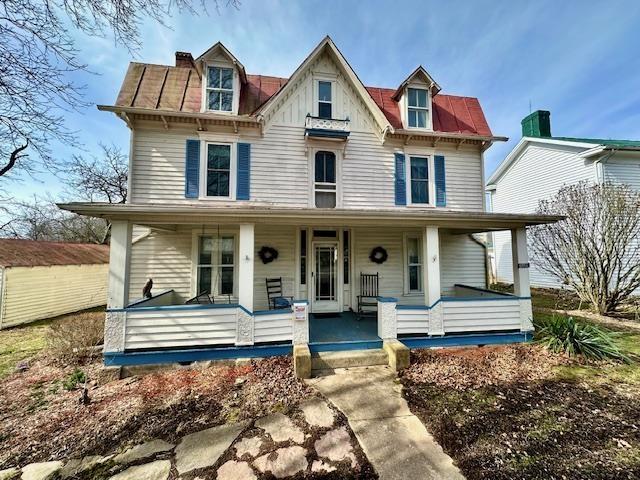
{"x":429,"y":269}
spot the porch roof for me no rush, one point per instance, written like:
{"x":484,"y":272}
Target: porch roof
{"x":173,"y":214}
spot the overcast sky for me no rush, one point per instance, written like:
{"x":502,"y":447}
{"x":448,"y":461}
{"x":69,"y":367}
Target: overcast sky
{"x":578,"y":59}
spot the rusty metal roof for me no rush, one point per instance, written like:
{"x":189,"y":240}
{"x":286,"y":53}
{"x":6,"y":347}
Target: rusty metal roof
{"x":31,"y":253}
{"x":179,"y":89}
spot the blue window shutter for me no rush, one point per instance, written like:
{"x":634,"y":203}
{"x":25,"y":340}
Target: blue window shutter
{"x":192,"y":169}
{"x":243,"y":190}
{"x":401,"y":182}
{"x":441,"y":182}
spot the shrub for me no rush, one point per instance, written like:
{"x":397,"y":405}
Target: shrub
{"x":74,"y":338}
{"x":76,"y":378}
{"x":561,"y":334}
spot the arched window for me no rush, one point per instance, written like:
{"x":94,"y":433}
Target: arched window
{"x":325,"y":179}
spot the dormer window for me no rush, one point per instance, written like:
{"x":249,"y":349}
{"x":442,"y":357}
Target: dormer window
{"x":220,"y":89}
{"x":417,"y":104}
{"x":324,"y":100}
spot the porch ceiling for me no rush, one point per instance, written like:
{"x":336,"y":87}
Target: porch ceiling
{"x":167,"y":214}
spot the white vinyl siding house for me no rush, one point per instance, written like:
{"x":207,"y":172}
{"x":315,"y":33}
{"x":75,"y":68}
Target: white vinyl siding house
{"x":553,"y":163}
{"x":315,"y":184}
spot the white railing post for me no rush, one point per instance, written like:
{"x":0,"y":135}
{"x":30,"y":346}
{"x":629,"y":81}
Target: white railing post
{"x":431,"y":279}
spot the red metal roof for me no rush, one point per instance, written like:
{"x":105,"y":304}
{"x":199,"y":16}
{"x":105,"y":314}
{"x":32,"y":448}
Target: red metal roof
{"x":31,"y":253}
{"x":162,"y":87}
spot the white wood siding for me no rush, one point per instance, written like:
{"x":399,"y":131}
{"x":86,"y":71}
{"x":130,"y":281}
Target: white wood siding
{"x":180,"y":328}
{"x":481,"y":315}
{"x":461,"y":261}
{"x":283,"y":239}
{"x":164,"y":257}
{"x":623,"y":169}
{"x":34,"y":293}
{"x":274,"y":327}
{"x":538,"y":173}
{"x":412,"y":321}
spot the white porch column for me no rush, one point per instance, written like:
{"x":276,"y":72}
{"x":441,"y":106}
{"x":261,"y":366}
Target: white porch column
{"x":118,"y":290}
{"x":245,"y":270}
{"x":245,"y":320}
{"x":119,"y":262}
{"x":520,"y":258}
{"x":521,"y":285}
{"x":431,"y":279}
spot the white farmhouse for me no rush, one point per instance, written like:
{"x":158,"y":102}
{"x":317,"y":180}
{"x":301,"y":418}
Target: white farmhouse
{"x":280,"y":212}
{"x":539,"y":165}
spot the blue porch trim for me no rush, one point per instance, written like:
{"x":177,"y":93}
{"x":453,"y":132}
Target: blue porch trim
{"x":482,"y":299}
{"x":164,"y":308}
{"x":194,"y":355}
{"x":140,"y":301}
{"x":343,"y":346}
{"x":467,"y":339}
{"x":387,"y":299}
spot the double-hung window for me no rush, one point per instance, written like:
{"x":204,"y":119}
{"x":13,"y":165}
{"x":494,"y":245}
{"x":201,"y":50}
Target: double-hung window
{"x":418,"y":109}
{"x":413,"y":265}
{"x":220,"y":89}
{"x":216,"y":265}
{"x":419,"y":178}
{"x":218,"y":166}
{"x":325,"y":179}
{"x":324,"y":100}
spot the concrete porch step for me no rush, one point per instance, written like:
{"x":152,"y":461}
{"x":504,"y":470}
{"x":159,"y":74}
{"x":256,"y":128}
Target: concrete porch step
{"x":348,"y":358}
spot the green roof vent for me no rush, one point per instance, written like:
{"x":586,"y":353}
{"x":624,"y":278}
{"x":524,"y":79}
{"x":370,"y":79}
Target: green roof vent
{"x":537,"y":124}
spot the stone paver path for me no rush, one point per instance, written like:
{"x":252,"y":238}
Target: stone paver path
{"x":302,"y":443}
{"x":395,"y":441}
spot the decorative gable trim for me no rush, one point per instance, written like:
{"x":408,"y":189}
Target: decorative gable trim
{"x":418,"y":72}
{"x":303,"y":70}
{"x":225,"y":51}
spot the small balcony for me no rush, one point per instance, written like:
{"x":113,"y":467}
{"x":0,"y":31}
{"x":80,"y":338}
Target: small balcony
{"x":327,"y":128}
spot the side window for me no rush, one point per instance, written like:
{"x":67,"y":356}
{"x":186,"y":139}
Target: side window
{"x":419,"y":177}
{"x":413,"y":265}
{"x":216,"y":265}
{"x":325,"y":179}
{"x":220,"y":89}
{"x":218,"y":174}
{"x":417,"y":107}
{"x":324,"y":100}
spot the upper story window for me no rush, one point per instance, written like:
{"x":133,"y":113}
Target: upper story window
{"x":325,"y":185}
{"x":220,"y":89}
{"x":417,"y":104}
{"x":419,"y":178}
{"x":324,"y":99}
{"x":218,"y":170}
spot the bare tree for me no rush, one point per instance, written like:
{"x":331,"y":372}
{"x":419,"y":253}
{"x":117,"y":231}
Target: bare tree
{"x":99,"y":178}
{"x":38,"y":56}
{"x":596,"y":250}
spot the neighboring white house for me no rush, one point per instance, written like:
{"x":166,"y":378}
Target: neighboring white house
{"x":539,"y":165}
{"x":315,"y":182}
{"x":45,"y":279}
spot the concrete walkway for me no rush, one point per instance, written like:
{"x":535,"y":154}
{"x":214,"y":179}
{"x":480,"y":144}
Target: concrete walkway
{"x":395,"y":441}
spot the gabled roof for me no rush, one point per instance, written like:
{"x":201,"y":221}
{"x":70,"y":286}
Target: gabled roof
{"x":219,"y":46}
{"x":31,"y":253}
{"x":600,"y":141}
{"x":418,"y":72}
{"x":166,"y":89}
{"x":327,"y":45}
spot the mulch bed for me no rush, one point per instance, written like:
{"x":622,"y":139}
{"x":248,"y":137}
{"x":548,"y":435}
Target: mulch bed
{"x":501,"y":413}
{"x":40,"y":420}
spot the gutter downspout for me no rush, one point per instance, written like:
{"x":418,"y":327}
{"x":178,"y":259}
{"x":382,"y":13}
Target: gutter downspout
{"x":599,"y":164}
{"x":487,"y":267}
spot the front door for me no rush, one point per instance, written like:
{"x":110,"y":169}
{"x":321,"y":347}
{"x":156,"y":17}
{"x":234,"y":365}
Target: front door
{"x":325,"y":278}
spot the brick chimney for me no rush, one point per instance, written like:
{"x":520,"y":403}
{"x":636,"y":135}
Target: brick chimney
{"x":184,"y":59}
{"x":537,"y":124}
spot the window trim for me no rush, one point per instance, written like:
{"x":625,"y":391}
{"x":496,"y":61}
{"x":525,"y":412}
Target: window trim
{"x":195,"y":256}
{"x":235,"y":102}
{"x":312,"y":176}
{"x":405,"y":263}
{"x":233,"y":168}
{"x":431,"y":185}
{"x":429,"y":123}
{"x":316,"y":95}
